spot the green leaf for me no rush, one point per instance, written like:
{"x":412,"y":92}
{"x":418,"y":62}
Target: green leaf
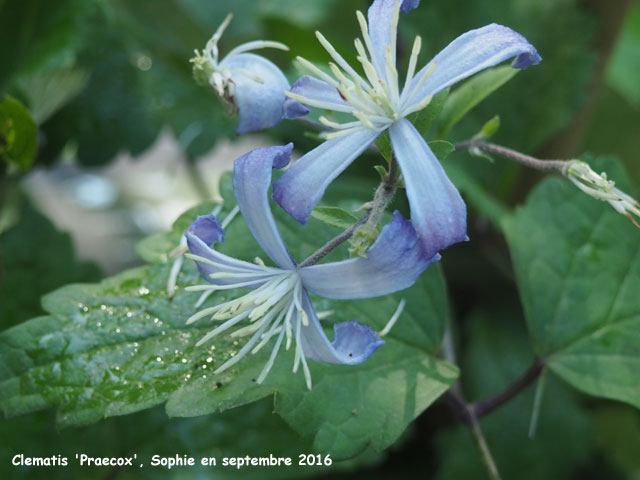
{"x":624,"y":67}
{"x":441,"y":149}
{"x":424,"y":119}
{"x":470,"y":94}
{"x":489,"y":128}
{"x":578,"y":267}
{"x":18,"y":134}
{"x":496,"y":353}
{"x":121,"y":346}
{"x":383,"y":143}
{"x":334,"y":216}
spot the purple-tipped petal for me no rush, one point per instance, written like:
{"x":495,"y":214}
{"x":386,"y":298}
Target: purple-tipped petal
{"x":320,"y":91}
{"x":251,"y":180}
{"x":438,"y":213}
{"x":303,"y":184}
{"x":408,"y":5}
{"x":352,"y":344}
{"x":293,"y":109}
{"x":203,"y":226}
{"x":394,"y":262}
{"x":208,"y":229}
{"x":472,"y":52}
{"x":259,"y":91}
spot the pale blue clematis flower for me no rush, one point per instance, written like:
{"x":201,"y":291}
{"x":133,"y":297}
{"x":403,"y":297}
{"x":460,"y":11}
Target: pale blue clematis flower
{"x":380,"y":103}
{"x":247,"y":83}
{"x":278,"y":305}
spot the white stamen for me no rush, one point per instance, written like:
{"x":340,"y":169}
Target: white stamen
{"x":203,"y":298}
{"x":427,"y":73}
{"x":312,"y":102}
{"x":392,"y":321}
{"x":316,"y":71}
{"x":413,"y":61}
{"x":256,"y":45}
{"x":228,"y":219}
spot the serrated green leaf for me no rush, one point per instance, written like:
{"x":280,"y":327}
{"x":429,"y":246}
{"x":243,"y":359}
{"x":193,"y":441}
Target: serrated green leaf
{"x":122,"y":346}
{"x":334,"y":216}
{"x":18,"y":134}
{"x":578,"y":268}
{"x":470,"y":94}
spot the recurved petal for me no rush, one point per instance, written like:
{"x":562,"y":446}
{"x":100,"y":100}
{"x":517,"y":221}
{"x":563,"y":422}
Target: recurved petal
{"x":438,"y":213}
{"x":208,"y":229}
{"x":472,"y":52}
{"x":321,"y":94}
{"x":394,"y":262}
{"x":352,"y":344}
{"x":259,"y":87}
{"x":251,"y":180}
{"x":204,"y":231}
{"x":408,"y":5}
{"x":303,"y":184}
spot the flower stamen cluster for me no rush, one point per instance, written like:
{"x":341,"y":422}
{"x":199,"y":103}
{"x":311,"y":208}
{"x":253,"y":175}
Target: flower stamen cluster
{"x":273,"y":309}
{"x":375,"y":100}
{"x":600,"y":187}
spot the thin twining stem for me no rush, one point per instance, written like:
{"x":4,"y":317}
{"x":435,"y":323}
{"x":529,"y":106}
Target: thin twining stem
{"x":384,"y":193}
{"x":487,"y":406}
{"x":558,"y":166}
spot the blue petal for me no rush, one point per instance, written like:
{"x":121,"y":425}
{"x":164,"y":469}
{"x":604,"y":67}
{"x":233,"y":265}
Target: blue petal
{"x":380,"y":15}
{"x":394,"y":262}
{"x":352,"y":344}
{"x":199,"y":245}
{"x":259,"y":91}
{"x":320,"y":91}
{"x":303,"y":184}
{"x":208,"y":229}
{"x":438,"y":213}
{"x":472,"y":52}
{"x":408,"y":5}
{"x":293,"y":109}
{"x":251,"y":180}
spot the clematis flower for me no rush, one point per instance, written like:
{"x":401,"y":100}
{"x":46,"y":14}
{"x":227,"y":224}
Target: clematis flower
{"x":278,"y":304}
{"x":380,"y":103}
{"x":248,"y":84}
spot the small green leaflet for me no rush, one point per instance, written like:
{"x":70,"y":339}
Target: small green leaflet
{"x":18,"y":135}
{"x":122,"y":346}
{"x":578,"y":267}
{"x":334,"y":216}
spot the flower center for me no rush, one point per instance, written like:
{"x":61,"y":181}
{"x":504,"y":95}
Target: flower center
{"x":375,"y":99}
{"x":273,"y":309}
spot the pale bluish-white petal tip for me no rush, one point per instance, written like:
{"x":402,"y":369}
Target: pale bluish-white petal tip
{"x":355,"y":342}
{"x":207,"y":228}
